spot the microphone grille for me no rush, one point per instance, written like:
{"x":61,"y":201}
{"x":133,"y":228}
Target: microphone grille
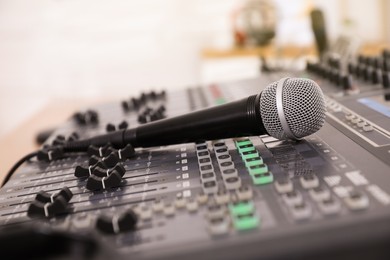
{"x":303,"y":108}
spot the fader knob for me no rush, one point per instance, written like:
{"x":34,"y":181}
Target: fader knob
{"x":95,"y":183}
{"x":104,"y":224}
{"x":126,"y":152}
{"x":375,"y":76}
{"x":386,"y":80}
{"x":93,"y":116}
{"x":117,"y":223}
{"x":127,"y":221}
{"x":110,"y":127}
{"x":367,"y":73}
{"x":123,"y":125}
{"x":351,"y":68}
{"x":108,"y":162}
{"x":347,"y":82}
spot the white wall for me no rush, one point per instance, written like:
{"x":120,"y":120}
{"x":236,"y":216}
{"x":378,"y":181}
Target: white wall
{"x":67,"y":48}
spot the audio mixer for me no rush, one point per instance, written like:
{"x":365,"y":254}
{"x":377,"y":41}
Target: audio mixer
{"x":327,"y":195}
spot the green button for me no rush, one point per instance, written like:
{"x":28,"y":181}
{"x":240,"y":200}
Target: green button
{"x":246,"y":148}
{"x":258,"y":169}
{"x":261,"y":179}
{"x":249,"y":154}
{"x":246,"y":222}
{"x":242,"y":208}
{"x":243,"y":142}
{"x":220,"y":101}
{"x":253,"y":161}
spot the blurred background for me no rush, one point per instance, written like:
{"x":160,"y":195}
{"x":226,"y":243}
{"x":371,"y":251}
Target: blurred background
{"x":54,"y":51}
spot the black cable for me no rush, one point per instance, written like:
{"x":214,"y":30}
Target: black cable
{"x":17,"y":165}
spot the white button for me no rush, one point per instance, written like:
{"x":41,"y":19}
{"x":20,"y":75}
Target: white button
{"x":231,"y":172}
{"x":329,"y":206}
{"x":216,"y":211}
{"x":222,"y":197}
{"x":157,"y":206}
{"x":309,"y":181}
{"x":224,"y":158}
{"x":145,"y":213}
{"x":219,"y":226}
{"x":293,"y":198}
{"x":82,"y":221}
{"x":226,"y":165}
{"x":210,"y":187}
{"x":349,"y":117}
{"x":337,"y":108}
{"x":202,"y":198}
{"x":355,"y":120}
{"x":319,"y":194}
{"x":169,"y":210}
{"x":283,"y":186}
{"x":368,"y":128}
{"x":192,"y":205}
{"x":180,"y":202}
{"x":244,"y":193}
{"x":361,"y":124}
{"x":301,"y":211}
{"x":232,"y":183}
{"x":357,"y":201}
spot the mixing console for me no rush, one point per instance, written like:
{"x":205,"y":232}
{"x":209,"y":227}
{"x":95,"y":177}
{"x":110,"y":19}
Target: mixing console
{"x":254,"y":197}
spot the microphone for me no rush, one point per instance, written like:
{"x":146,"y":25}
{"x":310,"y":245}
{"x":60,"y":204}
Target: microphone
{"x":290,"y":108}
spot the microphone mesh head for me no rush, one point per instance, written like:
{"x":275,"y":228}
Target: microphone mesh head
{"x":303,"y":107}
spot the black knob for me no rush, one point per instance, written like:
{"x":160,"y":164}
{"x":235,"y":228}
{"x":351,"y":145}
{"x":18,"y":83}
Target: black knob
{"x":126,"y":153}
{"x":117,"y":224}
{"x":49,"y":209}
{"x":123,"y":125}
{"x":80,"y":118}
{"x":99,"y":151}
{"x":142,"y":119}
{"x":59,"y":140}
{"x":386,"y":54}
{"x":93,"y":116}
{"x":73,"y":137}
{"x":107,"y":162}
{"x":361,"y":59}
{"x":386,"y":80}
{"x":385,"y":65}
{"x":104,"y":224}
{"x":338,"y":78}
{"x":375,"y":76}
{"x":136,"y":104}
{"x":125,"y":106}
{"x":45,"y":197}
{"x":153,"y":95}
{"x":143,"y":97}
{"x":127,"y":221}
{"x":110,"y":127}
{"x":66,"y":193}
{"x":81,"y":172}
{"x":100,"y":172}
{"x":334,"y":76}
{"x":95,"y":183}
{"x":351,"y":68}
{"x":376,"y":62}
{"x":347,"y":82}
{"x":367,"y":73}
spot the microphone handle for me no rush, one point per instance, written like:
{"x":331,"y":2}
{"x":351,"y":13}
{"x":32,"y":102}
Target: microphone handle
{"x":234,"y":119}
